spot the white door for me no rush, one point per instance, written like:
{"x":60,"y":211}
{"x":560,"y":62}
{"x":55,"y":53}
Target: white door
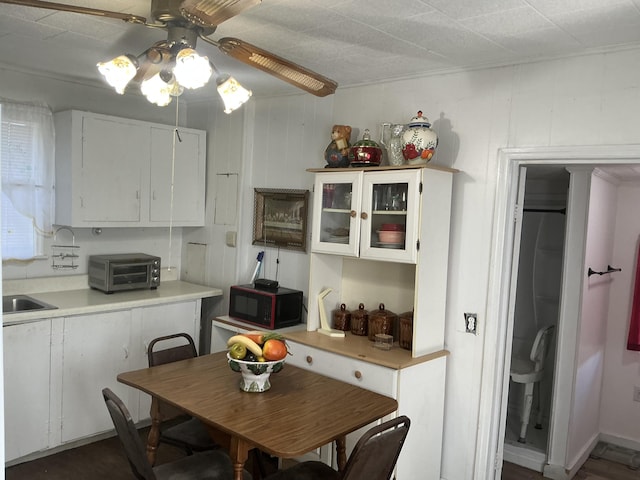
{"x":96,"y":349}
{"x":27,"y":362}
{"x":159,"y":321}
{"x":177,"y":184}
{"x":119,"y":151}
{"x":513,"y":284}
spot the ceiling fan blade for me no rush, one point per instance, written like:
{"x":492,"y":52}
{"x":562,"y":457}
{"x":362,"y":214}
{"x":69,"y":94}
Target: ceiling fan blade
{"x":127,"y":17}
{"x":211,"y":13}
{"x":290,"y":72}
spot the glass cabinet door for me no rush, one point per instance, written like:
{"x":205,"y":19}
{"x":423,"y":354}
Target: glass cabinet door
{"x":336,"y":221}
{"x":389,"y":215}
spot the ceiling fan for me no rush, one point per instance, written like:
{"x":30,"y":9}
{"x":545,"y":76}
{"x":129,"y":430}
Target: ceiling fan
{"x":188,"y":20}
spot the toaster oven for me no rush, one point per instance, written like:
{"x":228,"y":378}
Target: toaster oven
{"x":124,"y":271}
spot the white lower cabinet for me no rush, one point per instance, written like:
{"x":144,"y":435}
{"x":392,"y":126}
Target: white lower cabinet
{"x":55,"y":370}
{"x":419,"y":390}
{"x":27,"y":363}
{"x":96,"y":349}
{"x":157,"y":322}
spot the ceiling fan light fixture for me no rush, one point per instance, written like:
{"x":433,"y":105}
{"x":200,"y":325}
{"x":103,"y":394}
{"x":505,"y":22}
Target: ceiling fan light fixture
{"x":119,"y":71}
{"x":232,"y":93}
{"x":192,"y":70}
{"x":160,"y":88}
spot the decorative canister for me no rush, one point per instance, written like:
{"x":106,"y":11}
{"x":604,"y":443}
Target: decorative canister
{"x":381,"y":321}
{"x":342,"y":318}
{"x":419,"y":142}
{"x":365,"y":152}
{"x":359,"y":321}
{"x":406,"y":330}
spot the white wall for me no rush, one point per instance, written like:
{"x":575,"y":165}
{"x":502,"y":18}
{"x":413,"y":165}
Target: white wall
{"x":584,"y":427}
{"x":621,"y":372}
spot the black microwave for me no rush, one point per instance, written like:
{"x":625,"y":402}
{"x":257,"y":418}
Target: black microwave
{"x":268,"y":308}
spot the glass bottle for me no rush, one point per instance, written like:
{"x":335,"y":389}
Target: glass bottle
{"x":395,"y":145}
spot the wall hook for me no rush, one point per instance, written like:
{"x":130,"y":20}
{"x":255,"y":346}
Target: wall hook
{"x":610,"y":269}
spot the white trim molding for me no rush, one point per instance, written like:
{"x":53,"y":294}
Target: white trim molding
{"x":494,"y":380}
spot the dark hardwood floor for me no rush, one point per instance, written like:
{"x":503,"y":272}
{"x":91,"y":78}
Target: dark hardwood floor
{"x":593,"y":469}
{"x":105,"y":460}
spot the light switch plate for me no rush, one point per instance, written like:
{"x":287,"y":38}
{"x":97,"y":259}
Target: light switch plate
{"x":230,"y":238}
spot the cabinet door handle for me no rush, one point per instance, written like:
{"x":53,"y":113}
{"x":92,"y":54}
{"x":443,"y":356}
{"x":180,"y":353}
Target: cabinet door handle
{"x":353,"y":213}
{"x":309,"y":359}
{"x":358,"y":374}
{"x":126,"y":352}
{"x":364,"y":215}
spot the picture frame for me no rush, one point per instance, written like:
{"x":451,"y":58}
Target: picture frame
{"x":280,"y":218}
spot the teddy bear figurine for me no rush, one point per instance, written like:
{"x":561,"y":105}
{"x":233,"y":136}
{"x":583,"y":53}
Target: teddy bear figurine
{"x":337,"y":152}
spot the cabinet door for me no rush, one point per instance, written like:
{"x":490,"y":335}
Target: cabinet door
{"x":177,"y":185}
{"x":96,"y":349}
{"x":114,"y":155}
{"x":336,"y":213}
{"x":390,"y":215}
{"x":27,"y":361}
{"x":159,"y":321}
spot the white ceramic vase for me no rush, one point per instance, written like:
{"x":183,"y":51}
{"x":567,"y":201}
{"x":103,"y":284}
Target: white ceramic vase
{"x":419,"y":142}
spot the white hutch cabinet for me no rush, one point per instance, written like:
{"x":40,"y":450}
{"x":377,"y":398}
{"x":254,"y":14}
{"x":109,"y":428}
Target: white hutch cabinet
{"x":350,"y":207}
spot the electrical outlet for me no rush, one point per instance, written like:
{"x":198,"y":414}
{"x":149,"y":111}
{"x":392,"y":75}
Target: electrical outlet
{"x":471,"y":323}
{"x":636,"y":394}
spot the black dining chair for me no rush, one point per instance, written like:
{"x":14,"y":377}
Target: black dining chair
{"x":178,"y":429}
{"x":373,"y":458}
{"x":211,"y":465}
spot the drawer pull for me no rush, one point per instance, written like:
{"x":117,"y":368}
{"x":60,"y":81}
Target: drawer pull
{"x":358,"y":374}
{"x":309,"y":359}
{"x":363,"y":215}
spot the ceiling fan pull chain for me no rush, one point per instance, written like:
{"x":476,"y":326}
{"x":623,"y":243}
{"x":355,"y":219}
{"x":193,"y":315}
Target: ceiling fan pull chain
{"x":173,"y":169}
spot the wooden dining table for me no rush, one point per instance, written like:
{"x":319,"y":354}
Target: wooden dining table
{"x":301,"y":412}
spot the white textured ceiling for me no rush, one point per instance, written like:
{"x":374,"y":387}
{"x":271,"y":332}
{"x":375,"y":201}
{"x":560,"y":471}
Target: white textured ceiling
{"x":350,"y":41}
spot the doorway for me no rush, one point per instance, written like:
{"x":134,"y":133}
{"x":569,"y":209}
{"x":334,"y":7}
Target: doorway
{"x":498,"y":338}
{"x":537,"y":299}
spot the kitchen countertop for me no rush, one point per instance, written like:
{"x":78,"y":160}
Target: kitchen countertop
{"x":361,"y":348}
{"x":85,"y":300}
{"x":353,"y":346}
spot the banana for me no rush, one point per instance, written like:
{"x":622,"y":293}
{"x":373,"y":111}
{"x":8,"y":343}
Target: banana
{"x":252,"y":346}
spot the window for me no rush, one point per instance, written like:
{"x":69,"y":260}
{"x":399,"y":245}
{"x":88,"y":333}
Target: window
{"x":27,"y":163}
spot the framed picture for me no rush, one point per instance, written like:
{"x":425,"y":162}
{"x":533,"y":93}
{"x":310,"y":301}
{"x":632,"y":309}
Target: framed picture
{"x":280,"y":218}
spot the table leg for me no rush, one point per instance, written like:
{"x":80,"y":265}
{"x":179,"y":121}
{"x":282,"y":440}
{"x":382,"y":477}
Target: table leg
{"x":153,"y":438}
{"x":239,"y":453}
{"x":341,"y":452}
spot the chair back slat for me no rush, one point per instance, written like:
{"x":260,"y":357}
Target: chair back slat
{"x":171,"y":354}
{"x":375,"y":455}
{"x":168,"y":355}
{"x":129,"y":436}
{"x":540,"y":346}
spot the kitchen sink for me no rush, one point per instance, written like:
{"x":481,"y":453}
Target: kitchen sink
{"x":23,"y":303}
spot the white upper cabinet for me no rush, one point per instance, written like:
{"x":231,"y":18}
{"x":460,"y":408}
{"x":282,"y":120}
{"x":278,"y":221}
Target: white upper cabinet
{"x":116,"y":172}
{"x":373,"y":215}
{"x":186,"y":173}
